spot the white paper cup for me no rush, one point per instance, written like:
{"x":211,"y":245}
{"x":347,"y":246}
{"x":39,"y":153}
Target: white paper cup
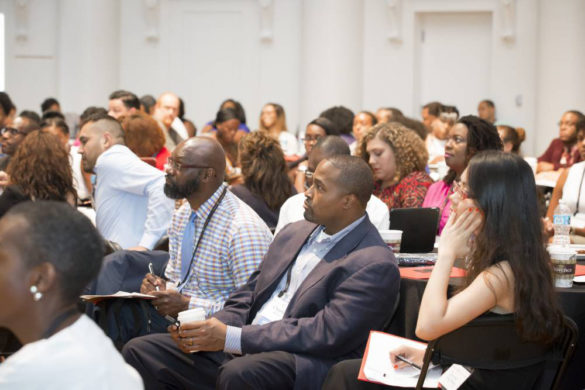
{"x":196,"y":314}
{"x":563,"y":261}
{"x":392,"y":238}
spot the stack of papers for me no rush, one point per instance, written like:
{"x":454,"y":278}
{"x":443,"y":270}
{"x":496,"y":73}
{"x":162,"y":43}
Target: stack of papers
{"x":120,"y":294}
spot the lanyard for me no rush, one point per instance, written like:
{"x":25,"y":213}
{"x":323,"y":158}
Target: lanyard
{"x":215,"y":206}
{"x":58,"y":321}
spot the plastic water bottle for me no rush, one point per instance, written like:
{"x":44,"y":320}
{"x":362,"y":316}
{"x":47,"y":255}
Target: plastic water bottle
{"x":562,"y":224}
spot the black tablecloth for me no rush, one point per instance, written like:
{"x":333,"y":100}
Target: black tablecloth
{"x":572,"y":302}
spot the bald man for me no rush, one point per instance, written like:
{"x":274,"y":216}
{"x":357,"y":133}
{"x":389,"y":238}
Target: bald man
{"x":166,"y":111}
{"x":130,"y":205}
{"x":216,"y":241}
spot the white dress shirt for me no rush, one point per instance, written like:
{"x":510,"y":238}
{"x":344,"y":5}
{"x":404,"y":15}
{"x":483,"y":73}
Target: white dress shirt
{"x":80,"y":356}
{"x":292,"y":210}
{"x":131,"y":207}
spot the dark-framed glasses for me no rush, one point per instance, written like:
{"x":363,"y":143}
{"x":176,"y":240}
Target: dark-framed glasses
{"x":177,"y":165}
{"x":12,"y":131}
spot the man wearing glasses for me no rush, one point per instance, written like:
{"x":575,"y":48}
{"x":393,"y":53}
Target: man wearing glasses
{"x":131,"y":208}
{"x":12,"y":137}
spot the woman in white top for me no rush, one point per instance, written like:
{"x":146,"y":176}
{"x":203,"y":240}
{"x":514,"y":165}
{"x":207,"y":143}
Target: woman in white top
{"x":48,"y":253}
{"x":273,"y":122}
{"x":571,"y":188}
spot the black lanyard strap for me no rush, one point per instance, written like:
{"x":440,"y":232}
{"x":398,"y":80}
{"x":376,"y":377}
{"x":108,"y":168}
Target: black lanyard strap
{"x":207,"y":220}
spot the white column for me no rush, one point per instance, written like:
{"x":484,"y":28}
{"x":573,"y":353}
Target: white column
{"x":331,"y":56}
{"x":560,"y":76}
{"x":88,"y":52}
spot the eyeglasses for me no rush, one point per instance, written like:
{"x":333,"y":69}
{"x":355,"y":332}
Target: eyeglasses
{"x":461,"y":190}
{"x":569,"y":124}
{"x":12,"y":131}
{"x":177,"y":166}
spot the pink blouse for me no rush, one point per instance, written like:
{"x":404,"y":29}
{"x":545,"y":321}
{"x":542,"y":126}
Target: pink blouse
{"x":438,"y":196}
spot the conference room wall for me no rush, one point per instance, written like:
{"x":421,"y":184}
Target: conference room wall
{"x":304,"y":54}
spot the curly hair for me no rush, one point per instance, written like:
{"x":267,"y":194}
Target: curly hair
{"x":142,"y":134}
{"x":409,"y":149}
{"x":264,"y":168}
{"x":40,"y":167}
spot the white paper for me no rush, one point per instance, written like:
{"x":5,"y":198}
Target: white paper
{"x":119,"y":294}
{"x":379,"y":368}
{"x":454,"y":377}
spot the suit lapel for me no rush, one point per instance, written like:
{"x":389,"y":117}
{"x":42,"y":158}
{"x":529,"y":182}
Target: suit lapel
{"x":329,"y":262}
{"x":286,"y":255}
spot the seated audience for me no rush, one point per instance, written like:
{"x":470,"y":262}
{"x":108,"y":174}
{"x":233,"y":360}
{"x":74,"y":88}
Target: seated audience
{"x":398,"y":158}
{"x":362,"y":121}
{"x":145,"y":138}
{"x":12,"y":137}
{"x":273,"y":122}
{"x":388,"y":114}
{"x":227,"y":123}
{"x":189,"y":125}
{"x":562,"y":152}
{"x":123,"y":103}
{"x":467,"y":137}
{"x":292,"y":210}
{"x":50,"y":104}
{"x":486,"y":110}
{"x":429,"y":113}
{"x":147,"y":104}
{"x":343,"y":119}
{"x":39,"y":170}
{"x":512,"y":138}
{"x":436,"y":139}
{"x":322,"y":285}
{"x":59,"y":128}
{"x":569,"y":188}
{"x":234,"y":105}
{"x":130,"y":205}
{"x":7,"y":110}
{"x":50,"y":252}
{"x":496,"y":227}
{"x":316,"y":129}
{"x":266,"y":184}
{"x":166,"y":111}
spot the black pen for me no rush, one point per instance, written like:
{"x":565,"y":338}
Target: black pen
{"x":150,"y":268}
{"x":410,"y":363}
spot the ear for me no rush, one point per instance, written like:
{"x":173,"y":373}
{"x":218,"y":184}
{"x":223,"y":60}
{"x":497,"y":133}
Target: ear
{"x":348,"y":201}
{"x":44,"y":276}
{"x":107,"y":140}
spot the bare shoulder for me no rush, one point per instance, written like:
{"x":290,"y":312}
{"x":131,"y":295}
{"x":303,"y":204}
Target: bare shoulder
{"x":500,"y":278}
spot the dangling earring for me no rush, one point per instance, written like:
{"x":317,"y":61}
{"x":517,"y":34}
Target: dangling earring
{"x":37,"y":295}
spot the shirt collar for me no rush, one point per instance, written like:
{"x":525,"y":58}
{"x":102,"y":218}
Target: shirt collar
{"x":203,"y":211}
{"x":320,"y":237}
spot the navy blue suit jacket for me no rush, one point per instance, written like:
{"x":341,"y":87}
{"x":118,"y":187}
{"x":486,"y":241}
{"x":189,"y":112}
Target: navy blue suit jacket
{"x":350,"y":291}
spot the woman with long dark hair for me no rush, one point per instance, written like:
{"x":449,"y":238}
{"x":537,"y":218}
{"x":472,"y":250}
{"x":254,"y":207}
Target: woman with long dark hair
{"x":495,"y":225}
{"x":266,"y":184}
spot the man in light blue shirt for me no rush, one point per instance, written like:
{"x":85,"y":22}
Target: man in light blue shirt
{"x":131,"y":207}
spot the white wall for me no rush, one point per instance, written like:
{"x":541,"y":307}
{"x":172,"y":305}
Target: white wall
{"x":316,"y":53}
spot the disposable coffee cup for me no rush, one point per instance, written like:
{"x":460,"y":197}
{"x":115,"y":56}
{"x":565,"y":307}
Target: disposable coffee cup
{"x":563,"y":261}
{"x":197,"y":314}
{"x":392,"y":238}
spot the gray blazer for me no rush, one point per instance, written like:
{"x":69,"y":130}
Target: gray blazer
{"x":351,"y":291}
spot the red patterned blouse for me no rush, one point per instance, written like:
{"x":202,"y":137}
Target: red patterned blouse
{"x":408,"y":192}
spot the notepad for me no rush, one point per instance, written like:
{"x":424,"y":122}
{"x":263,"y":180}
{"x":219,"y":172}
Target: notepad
{"x":377,"y":367}
{"x":120,"y":294}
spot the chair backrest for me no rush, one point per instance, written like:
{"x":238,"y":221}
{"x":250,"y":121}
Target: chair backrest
{"x":491,"y":342}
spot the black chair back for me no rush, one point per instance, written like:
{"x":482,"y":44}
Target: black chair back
{"x":491,"y":343}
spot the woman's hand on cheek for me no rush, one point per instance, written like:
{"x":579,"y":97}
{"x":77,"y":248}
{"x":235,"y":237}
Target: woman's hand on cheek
{"x":455,"y":238}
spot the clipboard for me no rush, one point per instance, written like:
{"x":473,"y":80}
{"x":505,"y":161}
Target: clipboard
{"x":377,"y":368}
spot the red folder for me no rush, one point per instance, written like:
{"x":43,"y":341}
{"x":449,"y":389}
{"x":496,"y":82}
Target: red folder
{"x":424,"y":273}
